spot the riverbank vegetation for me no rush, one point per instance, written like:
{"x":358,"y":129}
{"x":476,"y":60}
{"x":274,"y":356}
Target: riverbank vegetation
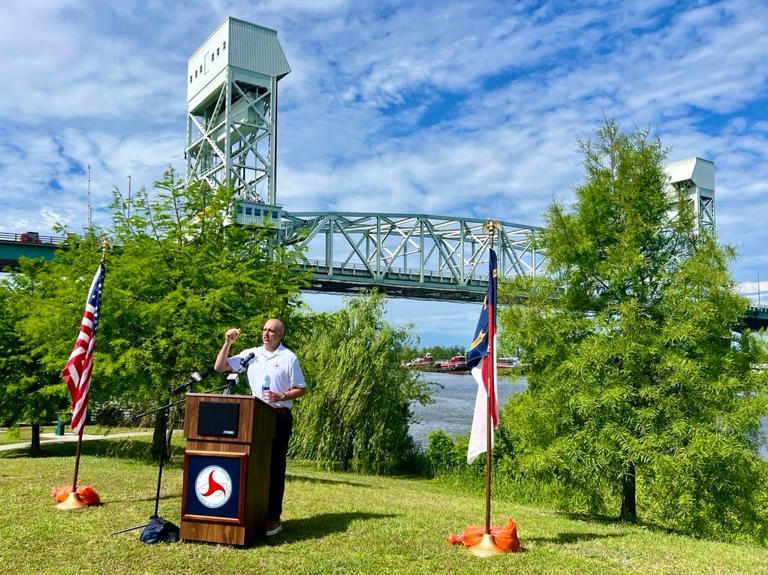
{"x":437,"y":352}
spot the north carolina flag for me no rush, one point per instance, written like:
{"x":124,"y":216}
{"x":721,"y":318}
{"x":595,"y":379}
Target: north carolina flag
{"x":482,"y":360}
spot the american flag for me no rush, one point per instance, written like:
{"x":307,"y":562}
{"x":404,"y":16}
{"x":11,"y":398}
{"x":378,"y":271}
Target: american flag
{"x":482,"y":359}
{"x":77,"y":372}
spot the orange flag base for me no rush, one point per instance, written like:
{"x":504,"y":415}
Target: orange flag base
{"x":82,"y":497}
{"x":478,"y":542}
{"x":71,"y":502}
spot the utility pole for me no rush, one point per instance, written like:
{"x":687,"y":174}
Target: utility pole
{"x":89,"y":214}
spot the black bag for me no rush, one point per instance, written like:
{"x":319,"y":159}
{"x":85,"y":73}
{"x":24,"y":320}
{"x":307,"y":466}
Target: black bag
{"x":159,"y":530}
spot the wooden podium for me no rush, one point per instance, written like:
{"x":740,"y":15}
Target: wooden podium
{"x":226,"y":468}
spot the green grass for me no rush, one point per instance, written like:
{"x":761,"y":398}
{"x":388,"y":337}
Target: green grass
{"x":334,"y":523}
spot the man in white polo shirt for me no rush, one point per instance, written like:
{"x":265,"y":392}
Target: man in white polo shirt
{"x":275,"y":376}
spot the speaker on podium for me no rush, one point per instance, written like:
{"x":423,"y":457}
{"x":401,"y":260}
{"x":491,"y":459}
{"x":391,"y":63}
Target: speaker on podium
{"x":226,"y":468}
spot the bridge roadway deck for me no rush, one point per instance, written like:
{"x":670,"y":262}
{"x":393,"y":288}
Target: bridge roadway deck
{"x":412,"y":284}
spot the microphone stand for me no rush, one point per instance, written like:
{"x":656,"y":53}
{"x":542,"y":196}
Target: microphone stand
{"x":162,"y":461}
{"x":162,"y":453}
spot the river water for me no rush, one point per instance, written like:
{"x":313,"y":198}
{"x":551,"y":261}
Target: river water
{"x":454,"y":395}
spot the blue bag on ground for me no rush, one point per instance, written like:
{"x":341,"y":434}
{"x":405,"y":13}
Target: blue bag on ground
{"x":158,"y":530}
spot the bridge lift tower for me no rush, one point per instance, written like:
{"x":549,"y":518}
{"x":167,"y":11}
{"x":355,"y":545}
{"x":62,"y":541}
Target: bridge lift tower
{"x":695,"y":179}
{"x":232,"y":110}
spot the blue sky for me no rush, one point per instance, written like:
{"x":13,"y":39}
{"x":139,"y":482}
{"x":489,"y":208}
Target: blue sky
{"x":451,"y":108}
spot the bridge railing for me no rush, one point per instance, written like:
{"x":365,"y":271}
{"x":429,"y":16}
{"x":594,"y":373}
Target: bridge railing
{"x":31,"y":238}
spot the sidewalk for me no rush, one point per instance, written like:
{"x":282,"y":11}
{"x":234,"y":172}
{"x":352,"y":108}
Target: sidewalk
{"x":70,"y":437}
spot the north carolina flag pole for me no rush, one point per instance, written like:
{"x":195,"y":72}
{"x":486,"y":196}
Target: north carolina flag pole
{"x":488,"y":383}
{"x":486,"y":540}
{"x":487,"y":545}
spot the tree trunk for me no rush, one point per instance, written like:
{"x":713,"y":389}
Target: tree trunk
{"x":34,"y":448}
{"x":628,"y":500}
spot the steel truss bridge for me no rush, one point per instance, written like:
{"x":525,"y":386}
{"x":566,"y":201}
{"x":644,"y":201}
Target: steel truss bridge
{"x":407,"y":255}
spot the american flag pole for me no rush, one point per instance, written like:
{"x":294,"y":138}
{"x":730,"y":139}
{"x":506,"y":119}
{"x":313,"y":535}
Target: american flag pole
{"x":77,"y":371}
{"x":77,"y":460}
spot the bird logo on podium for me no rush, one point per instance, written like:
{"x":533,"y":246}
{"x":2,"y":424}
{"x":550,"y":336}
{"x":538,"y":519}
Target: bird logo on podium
{"x":213,"y":486}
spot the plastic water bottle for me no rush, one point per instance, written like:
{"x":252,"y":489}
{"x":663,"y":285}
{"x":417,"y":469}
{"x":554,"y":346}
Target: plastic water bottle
{"x":265,"y":387}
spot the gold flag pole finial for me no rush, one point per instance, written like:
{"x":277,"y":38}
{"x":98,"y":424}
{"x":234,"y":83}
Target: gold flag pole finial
{"x":104,"y":245}
{"x":489,"y":227}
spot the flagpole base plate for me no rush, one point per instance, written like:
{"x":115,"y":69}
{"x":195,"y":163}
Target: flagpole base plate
{"x":486,"y":547}
{"x":71,"y":502}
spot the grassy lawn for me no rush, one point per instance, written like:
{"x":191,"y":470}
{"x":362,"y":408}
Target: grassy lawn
{"x":334,"y":523}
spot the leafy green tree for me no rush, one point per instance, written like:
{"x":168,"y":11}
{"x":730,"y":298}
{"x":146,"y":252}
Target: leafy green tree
{"x":29,"y":391}
{"x":357,"y":413}
{"x":179,"y":275}
{"x":634,"y":372}
{"x":44,"y":302}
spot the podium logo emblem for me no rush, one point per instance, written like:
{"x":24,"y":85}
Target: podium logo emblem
{"x":213,"y":486}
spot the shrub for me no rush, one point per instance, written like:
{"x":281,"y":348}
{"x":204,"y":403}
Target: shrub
{"x":357,"y":413}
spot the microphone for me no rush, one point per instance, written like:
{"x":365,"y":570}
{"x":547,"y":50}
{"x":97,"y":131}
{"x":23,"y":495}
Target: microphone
{"x":197,"y":376}
{"x":232,"y":379}
{"x":246,"y":360}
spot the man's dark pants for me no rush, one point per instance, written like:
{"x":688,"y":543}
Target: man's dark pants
{"x":283,"y":427}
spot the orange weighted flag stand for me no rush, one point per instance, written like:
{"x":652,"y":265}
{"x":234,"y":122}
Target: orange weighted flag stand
{"x":73,"y":501}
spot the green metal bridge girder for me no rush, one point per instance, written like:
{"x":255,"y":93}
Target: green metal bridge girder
{"x":756,"y":318}
{"x":408,"y":255}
